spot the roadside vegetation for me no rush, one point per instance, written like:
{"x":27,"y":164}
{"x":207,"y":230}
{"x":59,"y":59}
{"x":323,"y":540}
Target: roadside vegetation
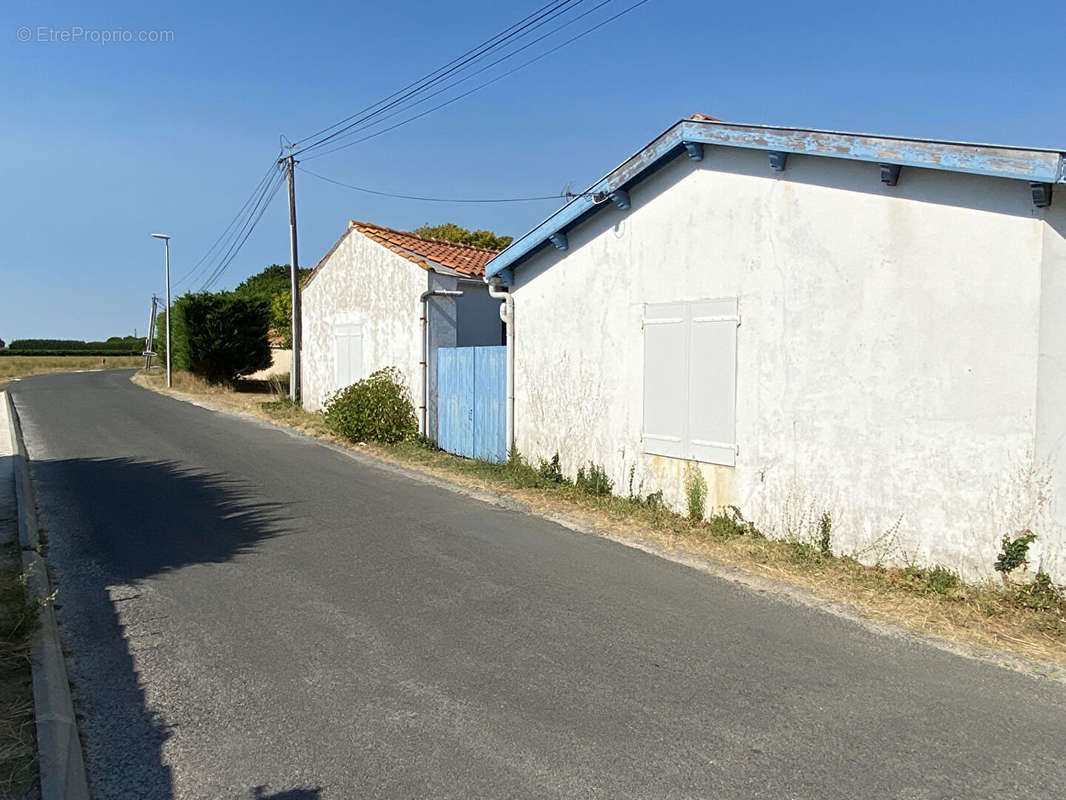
{"x":18,"y":750}
{"x":22,"y":366}
{"x":1022,"y":613}
{"x":219,"y":336}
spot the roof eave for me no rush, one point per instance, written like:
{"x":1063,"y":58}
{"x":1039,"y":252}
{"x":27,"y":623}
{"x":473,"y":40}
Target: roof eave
{"x":1017,"y":163}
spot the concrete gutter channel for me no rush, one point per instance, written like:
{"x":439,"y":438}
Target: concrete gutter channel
{"x":62,"y":767}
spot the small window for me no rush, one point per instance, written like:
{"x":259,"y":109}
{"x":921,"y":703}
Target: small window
{"x":348,"y":354}
{"x":690,"y":366}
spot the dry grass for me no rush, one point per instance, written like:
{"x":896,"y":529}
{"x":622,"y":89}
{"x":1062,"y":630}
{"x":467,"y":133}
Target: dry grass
{"x":932,"y":603}
{"x":18,"y":748}
{"x":24,"y":366}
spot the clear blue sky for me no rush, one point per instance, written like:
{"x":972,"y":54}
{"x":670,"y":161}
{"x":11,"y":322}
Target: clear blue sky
{"x":105,"y":143}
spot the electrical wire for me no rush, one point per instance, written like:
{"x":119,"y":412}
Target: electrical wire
{"x":257,"y":214}
{"x":424,"y":77}
{"x":434,"y":199}
{"x":189,"y":276}
{"x":480,"y":86}
{"x":356,"y":128}
{"x":518,"y":29}
{"x":224,"y":250}
{"x":262,"y":203}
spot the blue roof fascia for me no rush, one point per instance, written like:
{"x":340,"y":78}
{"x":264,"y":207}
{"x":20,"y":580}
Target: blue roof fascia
{"x":638,"y":166}
{"x":1017,"y":163}
{"x":998,"y":161}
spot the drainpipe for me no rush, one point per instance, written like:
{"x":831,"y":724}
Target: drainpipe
{"x":507,"y":315}
{"x":424,"y":300}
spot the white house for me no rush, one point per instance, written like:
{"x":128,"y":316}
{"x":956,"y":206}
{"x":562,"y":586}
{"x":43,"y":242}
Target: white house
{"x":363,"y":308}
{"x":820,"y":322}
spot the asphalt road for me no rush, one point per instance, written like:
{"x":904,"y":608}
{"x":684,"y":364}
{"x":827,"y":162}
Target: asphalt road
{"x":250,"y":614}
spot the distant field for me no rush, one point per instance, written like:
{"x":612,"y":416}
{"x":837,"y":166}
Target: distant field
{"x":23,"y":366}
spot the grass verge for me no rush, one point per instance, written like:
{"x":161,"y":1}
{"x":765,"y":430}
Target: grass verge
{"x":18,"y":749}
{"x":24,"y":366}
{"x":1027,"y":620}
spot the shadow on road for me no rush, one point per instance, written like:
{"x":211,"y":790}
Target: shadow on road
{"x":110,"y":524}
{"x":291,"y":794}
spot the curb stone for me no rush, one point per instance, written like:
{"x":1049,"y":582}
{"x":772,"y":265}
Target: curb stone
{"x":62,"y":766}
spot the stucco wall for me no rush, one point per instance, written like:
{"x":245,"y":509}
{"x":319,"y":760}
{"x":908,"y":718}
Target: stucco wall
{"x":1048,"y":516}
{"x":887,"y":352}
{"x":362,"y":283}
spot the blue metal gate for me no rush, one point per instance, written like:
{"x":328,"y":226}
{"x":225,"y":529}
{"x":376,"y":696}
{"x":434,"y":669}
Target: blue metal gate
{"x":472,"y":402}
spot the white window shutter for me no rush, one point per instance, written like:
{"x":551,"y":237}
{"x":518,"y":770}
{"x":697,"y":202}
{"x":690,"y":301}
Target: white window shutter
{"x":348,"y":353}
{"x":712,"y":382}
{"x":340,"y":359}
{"x":665,"y":378}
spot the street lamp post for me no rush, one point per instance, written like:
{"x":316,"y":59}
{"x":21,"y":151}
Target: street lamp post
{"x":166,"y":260}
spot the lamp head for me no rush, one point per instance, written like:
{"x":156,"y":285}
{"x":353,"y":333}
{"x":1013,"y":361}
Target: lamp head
{"x":160,"y":236}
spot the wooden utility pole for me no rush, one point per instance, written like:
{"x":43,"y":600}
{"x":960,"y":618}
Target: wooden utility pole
{"x":294,"y":283}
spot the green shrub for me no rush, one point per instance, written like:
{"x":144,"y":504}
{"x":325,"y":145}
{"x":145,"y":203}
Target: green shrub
{"x":730,"y":524}
{"x":593,"y":480}
{"x":218,"y":336}
{"x":1042,"y":595}
{"x":933,"y":580}
{"x":375,"y":409}
{"x":426,"y":442}
{"x":696,"y":493}
{"x":1015,"y":552}
{"x":552,"y":471}
{"x":655,"y":500}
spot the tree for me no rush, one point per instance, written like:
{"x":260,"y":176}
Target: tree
{"x":220,"y":336}
{"x":450,"y":232}
{"x":272,"y":285}
{"x":2,"y":344}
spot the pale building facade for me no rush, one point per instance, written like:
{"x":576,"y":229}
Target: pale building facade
{"x":362,"y":310}
{"x":819,"y":323}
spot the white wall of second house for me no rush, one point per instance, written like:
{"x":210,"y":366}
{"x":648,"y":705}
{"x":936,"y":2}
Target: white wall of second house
{"x":887,"y":354}
{"x":366,"y":284}
{"x":1047,"y":515}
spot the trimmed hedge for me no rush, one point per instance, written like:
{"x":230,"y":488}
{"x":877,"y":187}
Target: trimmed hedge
{"x":116,"y":344}
{"x":219,"y":336}
{"x":54,"y":353}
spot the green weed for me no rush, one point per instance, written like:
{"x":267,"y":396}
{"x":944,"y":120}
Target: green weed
{"x":593,"y":480}
{"x":696,"y":494}
{"x":1015,"y":552}
{"x":935,"y":580}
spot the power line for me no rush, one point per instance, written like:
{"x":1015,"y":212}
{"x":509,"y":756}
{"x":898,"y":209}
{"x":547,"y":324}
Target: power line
{"x":198,"y":267}
{"x":520,"y":28}
{"x":256,"y":214}
{"x":424,"y":77}
{"x":480,"y":86}
{"x":375,"y":119}
{"x":433,"y":199}
{"x":224,"y":250}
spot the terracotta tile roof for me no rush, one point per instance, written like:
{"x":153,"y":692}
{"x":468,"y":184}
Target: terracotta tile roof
{"x":462,"y":258}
